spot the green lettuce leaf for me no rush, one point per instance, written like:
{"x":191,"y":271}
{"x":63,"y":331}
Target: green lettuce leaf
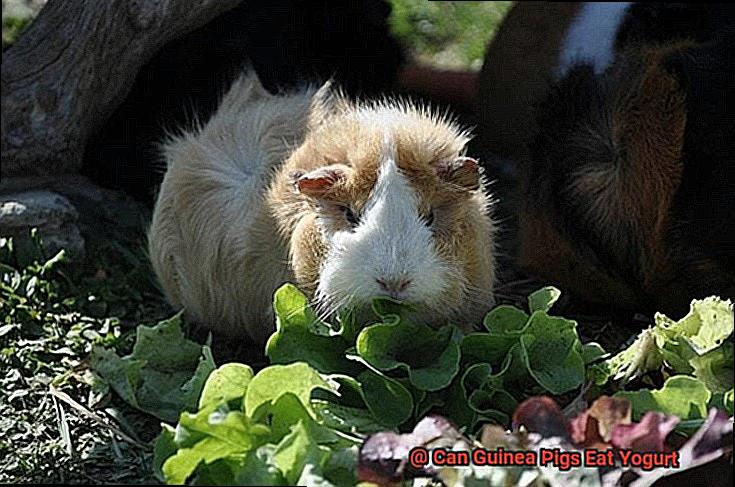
{"x":273,"y":382}
{"x":681,"y":395}
{"x":228,"y":382}
{"x":209,"y":435}
{"x":543,"y":299}
{"x":301,"y":337}
{"x":429,"y":357}
{"x":680,"y":346}
{"x":164,"y":374}
{"x":550,"y":350}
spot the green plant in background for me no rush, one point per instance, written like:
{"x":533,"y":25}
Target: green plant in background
{"x":12,"y":27}
{"x":447,"y":34}
{"x":17,"y":15}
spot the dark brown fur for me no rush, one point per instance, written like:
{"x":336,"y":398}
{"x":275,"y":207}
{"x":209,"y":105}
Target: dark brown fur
{"x":613,"y":191}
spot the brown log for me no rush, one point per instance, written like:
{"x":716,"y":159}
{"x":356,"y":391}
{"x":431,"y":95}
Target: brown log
{"x":73,"y":66}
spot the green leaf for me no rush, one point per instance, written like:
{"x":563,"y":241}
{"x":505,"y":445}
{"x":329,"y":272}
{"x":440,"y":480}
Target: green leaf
{"x":295,"y":451}
{"x":680,"y":345}
{"x":487,"y":347}
{"x":430,"y":357}
{"x":389,"y":402}
{"x":164,"y":374}
{"x":592,"y":351}
{"x":346,"y":418}
{"x":683,"y":396}
{"x":228,"y":382}
{"x":715,"y":368}
{"x":706,"y":326}
{"x":164,"y":448}
{"x":275,"y":381}
{"x":207,"y":436}
{"x":389,"y":310}
{"x":286,"y":412}
{"x":486,"y":395}
{"x":259,"y":468}
{"x":340,"y":469}
{"x":301,"y":337}
{"x":219,"y":472}
{"x":505,"y":318}
{"x":722,"y":401}
{"x":543,"y":299}
{"x":122,"y":374}
{"x":192,"y":389}
{"x":549,"y":352}
{"x":641,"y":356}
{"x":454,"y":403}
{"x":153,"y":344}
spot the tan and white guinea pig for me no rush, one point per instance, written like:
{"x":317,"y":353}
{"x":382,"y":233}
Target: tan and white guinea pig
{"x":348,"y":200}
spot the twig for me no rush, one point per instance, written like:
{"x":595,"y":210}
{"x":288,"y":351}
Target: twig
{"x":86,"y":412}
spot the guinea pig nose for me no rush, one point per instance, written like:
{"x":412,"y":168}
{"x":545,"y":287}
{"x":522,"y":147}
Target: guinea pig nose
{"x":393,"y":285}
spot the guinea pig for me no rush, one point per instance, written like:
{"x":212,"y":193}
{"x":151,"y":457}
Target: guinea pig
{"x":348,"y":200}
{"x":539,"y":42}
{"x":628,"y":195}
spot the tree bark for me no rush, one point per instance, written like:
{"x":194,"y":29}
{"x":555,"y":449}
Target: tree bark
{"x":73,"y":66}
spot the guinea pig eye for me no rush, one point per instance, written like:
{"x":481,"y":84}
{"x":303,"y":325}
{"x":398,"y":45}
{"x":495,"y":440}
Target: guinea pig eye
{"x":429,"y":218}
{"x":350,"y":216}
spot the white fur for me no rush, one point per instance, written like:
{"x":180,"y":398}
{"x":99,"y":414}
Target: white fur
{"x":211,"y":242}
{"x":222,"y":230}
{"x":390,"y":242}
{"x":591,"y":37}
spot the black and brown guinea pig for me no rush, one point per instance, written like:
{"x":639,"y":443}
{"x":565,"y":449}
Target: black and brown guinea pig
{"x":628,"y":195}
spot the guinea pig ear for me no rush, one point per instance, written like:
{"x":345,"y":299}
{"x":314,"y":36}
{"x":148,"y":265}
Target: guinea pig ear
{"x":318,"y":182}
{"x":326,"y":101}
{"x":463,"y":171}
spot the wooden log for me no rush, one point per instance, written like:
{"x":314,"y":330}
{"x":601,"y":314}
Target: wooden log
{"x":72,"y":68}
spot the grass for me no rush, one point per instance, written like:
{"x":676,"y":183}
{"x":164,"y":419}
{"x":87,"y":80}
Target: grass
{"x":450,"y":35}
{"x":58,"y":421}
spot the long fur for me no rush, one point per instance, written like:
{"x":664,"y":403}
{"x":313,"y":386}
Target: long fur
{"x":229,"y":227}
{"x":354,"y":136}
{"x":211,"y":243}
{"x":626,"y":196}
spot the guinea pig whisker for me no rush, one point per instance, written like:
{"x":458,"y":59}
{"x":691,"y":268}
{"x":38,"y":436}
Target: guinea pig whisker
{"x":328,"y":306}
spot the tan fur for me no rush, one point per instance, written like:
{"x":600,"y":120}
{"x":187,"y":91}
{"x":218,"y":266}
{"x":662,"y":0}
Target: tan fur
{"x":338,"y":135}
{"x":229,"y":227}
{"x":212,"y":243}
